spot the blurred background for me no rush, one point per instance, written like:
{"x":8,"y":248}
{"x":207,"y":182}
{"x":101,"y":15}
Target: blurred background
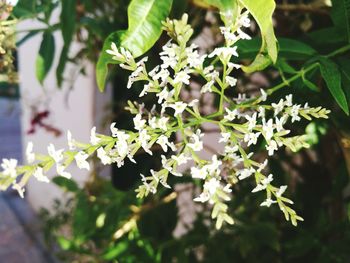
{"x":96,"y":217}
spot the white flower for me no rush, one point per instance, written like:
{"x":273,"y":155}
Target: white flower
{"x":203,"y":197}
{"x":12,"y":2}
{"x":71,"y":141}
{"x":196,"y":144}
{"x":60,"y":171}
{"x":163,"y":142}
{"x":212,"y":185}
{"x":261,"y":111}
{"x":251,"y":121}
{"x":268,"y":202}
{"x":139,"y":122}
{"x":288,"y":101}
{"x":271,"y":147}
{"x":245,"y":173}
{"x":267,"y":180}
{"x":9,"y":166}
{"x":225,"y":137}
{"x":281,"y":190}
{"x":19,"y":189}
{"x":179,"y":107}
{"x":207,"y":87}
{"x":294,"y":113}
{"x":144,"y":138}
{"x":279,"y":123}
{"x":231,"y":81}
{"x":182,"y":77}
{"x":163,"y":95}
{"x":278,"y":107}
{"x":162,"y":123}
{"x":146,"y":88}
{"x":115,"y":53}
{"x":231,"y":114}
{"x":29,"y":153}
{"x":94,"y":140}
{"x":214,"y":166}
{"x":181,"y":159}
{"x":102,"y":155}
{"x":259,"y":187}
{"x":39,"y":175}
{"x":198,"y":173}
{"x":56,"y":155}
{"x":80,"y":158}
{"x":251,"y":138}
{"x":268,"y":129}
{"x":263,"y":95}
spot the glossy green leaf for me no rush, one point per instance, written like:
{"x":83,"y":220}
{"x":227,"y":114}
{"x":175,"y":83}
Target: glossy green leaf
{"x":341,"y":16}
{"x":145,"y":27}
{"x":45,"y":56}
{"x":262,"y":12}
{"x":332,"y":77}
{"x":67,"y":19}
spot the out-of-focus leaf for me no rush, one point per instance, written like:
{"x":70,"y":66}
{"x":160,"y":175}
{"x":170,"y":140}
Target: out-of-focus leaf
{"x":67,"y":18}
{"x":66,"y":184}
{"x":332,"y":77}
{"x":341,"y":16}
{"x":144,"y":29}
{"x":45,"y":57}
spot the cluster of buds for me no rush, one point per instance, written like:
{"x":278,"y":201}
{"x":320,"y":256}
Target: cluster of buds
{"x":243,"y":122}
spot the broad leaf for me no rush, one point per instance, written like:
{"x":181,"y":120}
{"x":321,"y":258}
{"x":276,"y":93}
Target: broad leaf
{"x":341,"y":16}
{"x":144,"y":28}
{"x":262,"y":12}
{"x":332,"y":77}
{"x":45,"y":57}
{"x":344,"y":66}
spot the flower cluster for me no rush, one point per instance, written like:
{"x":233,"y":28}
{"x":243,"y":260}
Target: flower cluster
{"x":243,"y":122}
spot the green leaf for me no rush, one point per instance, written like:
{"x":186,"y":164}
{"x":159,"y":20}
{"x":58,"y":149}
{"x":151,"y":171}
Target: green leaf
{"x":145,"y":27}
{"x":344,"y":66}
{"x":45,"y":57}
{"x":66,"y":184}
{"x":262,"y":12}
{"x":260,"y":62}
{"x":67,"y":18}
{"x":332,"y":77}
{"x":341,"y":16}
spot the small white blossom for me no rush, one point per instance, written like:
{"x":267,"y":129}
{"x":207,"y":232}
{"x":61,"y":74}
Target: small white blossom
{"x":80,"y":159}
{"x":139,"y":122}
{"x":281,"y":190}
{"x":251,"y":121}
{"x":268,"y":129}
{"x":94,"y":140}
{"x":207,"y":87}
{"x":278,"y":107}
{"x":102,"y":155}
{"x":251,"y":138}
{"x":263,"y":95}
{"x":19,"y":189}
{"x":9,"y":167}
{"x":60,"y":171}
{"x":196,"y":144}
{"x":179,"y":107}
{"x":271,"y":147}
{"x":231,"y":114}
{"x":294,"y":113}
{"x":181,"y":159}
{"x":71,"y":141}
{"x":268,"y":202}
{"x":225,"y":137}
{"x":56,"y":155}
{"x":39,"y":175}
{"x":29,"y":153}
{"x":182,"y":77}
{"x":245,"y":173}
{"x":231,"y":81}
{"x":198,"y":173}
